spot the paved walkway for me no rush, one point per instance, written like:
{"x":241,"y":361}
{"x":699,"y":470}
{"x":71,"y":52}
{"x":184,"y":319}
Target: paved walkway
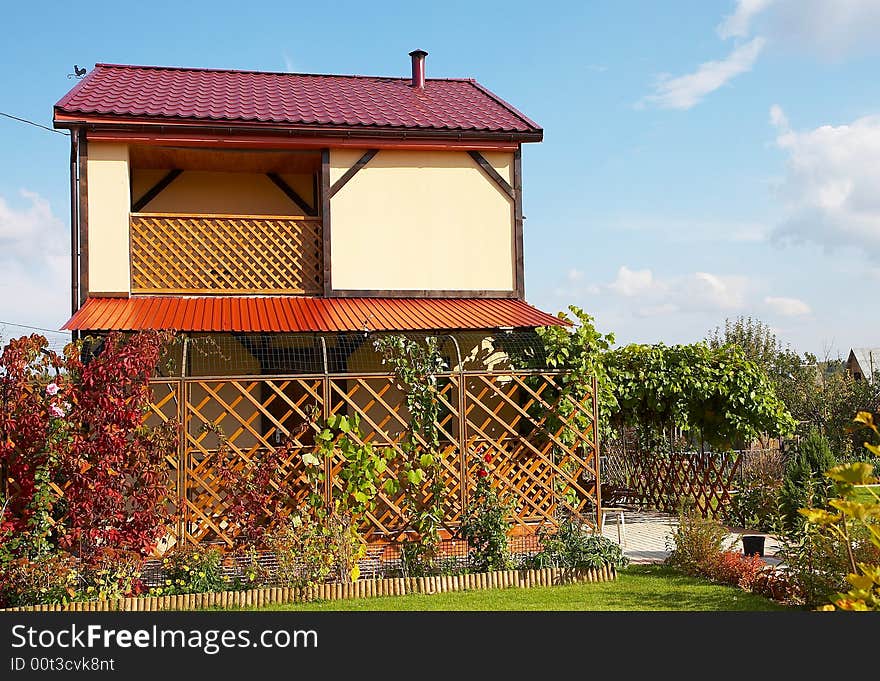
{"x":646,"y":536}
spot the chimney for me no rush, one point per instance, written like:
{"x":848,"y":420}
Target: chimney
{"x":418,"y":68}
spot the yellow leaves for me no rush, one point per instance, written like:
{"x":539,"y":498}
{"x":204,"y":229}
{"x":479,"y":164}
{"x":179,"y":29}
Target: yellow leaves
{"x":355,"y":572}
{"x":818,"y":516}
{"x":860,"y":581}
{"x":853,"y":473}
{"x":867,"y":418}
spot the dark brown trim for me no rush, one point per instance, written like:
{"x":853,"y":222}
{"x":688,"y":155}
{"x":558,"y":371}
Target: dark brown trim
{"x":63,"y":120}
{"x":492,"y":174}
{"x":351,"y":172}
{"x":518,"y":250}
{"x":83,"y":154}
{"x":325,"y":217}
{"x":74,"y":227}
{"x":291,"y":194}
{"x":316,"y":189}
{"x":155,"y":190}
{"x":371,"y":293}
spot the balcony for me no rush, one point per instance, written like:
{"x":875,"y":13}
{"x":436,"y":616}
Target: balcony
{"x":226,"y":254}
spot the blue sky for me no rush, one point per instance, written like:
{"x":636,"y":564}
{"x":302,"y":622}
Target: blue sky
{"x":702,"y":159}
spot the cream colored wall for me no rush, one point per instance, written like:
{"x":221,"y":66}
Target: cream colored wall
{"x":195,"y":191}
{"x":417,"y":220}
{"x":108,"y":204}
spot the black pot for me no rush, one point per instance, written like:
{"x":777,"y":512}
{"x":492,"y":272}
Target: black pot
{"x":753,"y":544}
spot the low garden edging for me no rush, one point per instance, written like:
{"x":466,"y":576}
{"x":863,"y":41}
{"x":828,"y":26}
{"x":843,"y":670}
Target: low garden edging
{"x":336,"y":591}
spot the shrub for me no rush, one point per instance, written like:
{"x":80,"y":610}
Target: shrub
{"x":804,"y":484}
{"x":486,"y":523}
{"x":775,"y":584}
{"x":51,"y":578}
{"x":190,"y":569}
{"x":731,"y":567}
{"x":110,"y":573}
{"x":574,"y":545}
{"x":302,"y":553}
{"x":695,"y":543}
{"x":78,"y":424}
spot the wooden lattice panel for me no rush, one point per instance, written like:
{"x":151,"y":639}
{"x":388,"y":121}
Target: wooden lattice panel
{"x":384,"y":420}
{"x":226,"y":254}
{"x":538,"y":457}
{"x":254,"y":416}
{"x":542,"y":457}
{"x":663,"y":481}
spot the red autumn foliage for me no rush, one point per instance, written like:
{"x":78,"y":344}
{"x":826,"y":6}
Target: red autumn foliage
{"x":25,"y":419}
{"x":111,"y":467}
{"x":256,"y":496}
{"x":731,"y":567}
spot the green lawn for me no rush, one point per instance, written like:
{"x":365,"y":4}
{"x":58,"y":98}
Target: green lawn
{"x":639,"y":587}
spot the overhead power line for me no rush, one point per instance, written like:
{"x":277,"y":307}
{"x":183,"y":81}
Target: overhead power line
{"x":34,"y":328}
{"x":36,"y":125}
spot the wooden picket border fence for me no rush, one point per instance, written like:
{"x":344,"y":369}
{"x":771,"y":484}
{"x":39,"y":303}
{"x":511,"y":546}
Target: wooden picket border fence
{"x":338,"y":591}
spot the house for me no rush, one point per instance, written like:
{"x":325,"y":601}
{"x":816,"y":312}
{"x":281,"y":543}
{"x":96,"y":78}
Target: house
{"x":863,"y":363}
{"x":277,"y":221}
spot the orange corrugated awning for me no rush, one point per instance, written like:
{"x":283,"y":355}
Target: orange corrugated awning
{"x":293,"y":314}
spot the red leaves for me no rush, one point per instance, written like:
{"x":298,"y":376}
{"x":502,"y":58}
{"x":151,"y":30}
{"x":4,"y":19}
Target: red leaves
{"x":111,"y":468}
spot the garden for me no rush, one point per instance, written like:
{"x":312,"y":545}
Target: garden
{"x":86,"y":509}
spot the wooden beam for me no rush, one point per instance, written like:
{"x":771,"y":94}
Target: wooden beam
{"x":155,"y":190}
{"x":492,"y":173}
{"x":351,"y":172}
{"x":325,"y":217}
{"x":291,"y":193}
{"x":412,"y":293}
{"x":519,"y":282}
{"x":83,"y":161}
{"x":74,"y":221}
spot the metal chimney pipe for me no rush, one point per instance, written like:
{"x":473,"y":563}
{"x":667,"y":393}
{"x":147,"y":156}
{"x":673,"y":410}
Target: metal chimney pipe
{"x":418,"y":68}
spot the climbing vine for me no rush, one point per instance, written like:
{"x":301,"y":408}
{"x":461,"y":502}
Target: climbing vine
{"x":416,"y":365}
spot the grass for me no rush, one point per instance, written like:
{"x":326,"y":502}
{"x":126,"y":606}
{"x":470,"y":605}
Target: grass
{"x":639,"y":587}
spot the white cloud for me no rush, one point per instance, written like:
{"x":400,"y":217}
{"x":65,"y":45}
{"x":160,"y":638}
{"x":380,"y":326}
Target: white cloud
{"x":653,"y":296}
{"x":830,"y":188}
{"x":35,"y":261}
{"x":830,"y":29}
{"x":787,"y":307}
{"x":739,"y":24}
{"x":778,"y":117}
{"x":684,"y":92}
{"x":630,"y":283}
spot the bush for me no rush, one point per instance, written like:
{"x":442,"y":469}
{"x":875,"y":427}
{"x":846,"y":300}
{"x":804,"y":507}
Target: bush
{"x":302,"y":554}
{"x":731,"y":567}
{"x":805,"y":484}
{"x":485,"y":525}
{"x":574,"y":545}
{"x":190,"y":569}
{"x":52,"y":578}
{"x":111,"y":573}
{"x":756,"y":504}
{"x":696,"y":543}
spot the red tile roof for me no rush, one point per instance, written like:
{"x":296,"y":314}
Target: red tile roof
{"x":187,"y":94}
{"x":304,"y":314}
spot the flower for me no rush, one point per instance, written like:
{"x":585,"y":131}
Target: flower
{"x":488,"y":457}
{"x":482,"y":473}
{"x":52,"y":388}
{"x":56,"y":411}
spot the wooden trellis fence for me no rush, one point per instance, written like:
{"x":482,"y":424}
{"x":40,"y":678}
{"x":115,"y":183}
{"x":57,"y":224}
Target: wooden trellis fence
{"x":664,"y":480}
{"x":540,"y":459}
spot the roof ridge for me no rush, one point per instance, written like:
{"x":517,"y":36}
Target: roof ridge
{"x":154,"y":67}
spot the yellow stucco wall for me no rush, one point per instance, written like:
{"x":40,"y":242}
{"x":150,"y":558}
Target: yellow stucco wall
{"x":414,"y":220}
{"x":195,"y":191}
{"x":108,"y":201}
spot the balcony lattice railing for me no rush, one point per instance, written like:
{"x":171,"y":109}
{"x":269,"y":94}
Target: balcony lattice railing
{"x":226,"y":254}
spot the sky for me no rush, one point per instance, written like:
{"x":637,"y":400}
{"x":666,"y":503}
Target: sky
{"x":702,"y":159}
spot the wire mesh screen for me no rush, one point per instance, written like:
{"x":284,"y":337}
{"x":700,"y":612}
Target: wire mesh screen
{"x":280,"y":354}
